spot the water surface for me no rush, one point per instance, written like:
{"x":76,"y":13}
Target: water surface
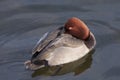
{"x":23,"y":22}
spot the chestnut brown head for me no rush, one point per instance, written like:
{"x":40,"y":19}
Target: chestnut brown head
{"x":77,"y":28}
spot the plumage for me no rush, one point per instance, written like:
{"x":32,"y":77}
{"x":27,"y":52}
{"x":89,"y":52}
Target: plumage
{"x":59,"y":47}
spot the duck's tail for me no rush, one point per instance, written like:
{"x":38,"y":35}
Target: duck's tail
{"x":29,"y":65}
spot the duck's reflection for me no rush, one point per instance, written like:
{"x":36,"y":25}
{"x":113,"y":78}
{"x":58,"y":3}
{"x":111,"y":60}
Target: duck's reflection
{"x":76,"y":67}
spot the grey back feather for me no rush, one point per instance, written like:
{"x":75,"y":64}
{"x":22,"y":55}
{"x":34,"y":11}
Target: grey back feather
{"x":46,"y":39}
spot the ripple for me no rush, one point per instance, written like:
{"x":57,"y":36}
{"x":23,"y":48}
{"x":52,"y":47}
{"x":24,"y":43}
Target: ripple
{"x":112,"y":72}
{"x":106,"y":24}
{"x":43,"y":9}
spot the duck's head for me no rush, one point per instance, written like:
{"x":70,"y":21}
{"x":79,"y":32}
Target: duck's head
{"x":77,"y":28}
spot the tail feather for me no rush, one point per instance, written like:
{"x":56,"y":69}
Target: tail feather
{"x":32,"y":66}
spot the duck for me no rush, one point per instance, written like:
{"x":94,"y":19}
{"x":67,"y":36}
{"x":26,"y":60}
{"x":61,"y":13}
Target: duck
{"x":65,"y":44}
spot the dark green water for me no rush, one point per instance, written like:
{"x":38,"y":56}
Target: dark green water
{"x":23,"y":22}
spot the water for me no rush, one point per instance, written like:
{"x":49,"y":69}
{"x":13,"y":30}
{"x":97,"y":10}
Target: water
{"x":23,"y":22}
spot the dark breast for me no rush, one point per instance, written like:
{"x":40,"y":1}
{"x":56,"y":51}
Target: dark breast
{"x":90,"y":42}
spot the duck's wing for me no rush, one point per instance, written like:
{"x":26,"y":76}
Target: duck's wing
{"x":60,"y":51}
{"x":46,"y":39}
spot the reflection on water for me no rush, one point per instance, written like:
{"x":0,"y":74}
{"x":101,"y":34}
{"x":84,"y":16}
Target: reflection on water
{"x":76,"y":67}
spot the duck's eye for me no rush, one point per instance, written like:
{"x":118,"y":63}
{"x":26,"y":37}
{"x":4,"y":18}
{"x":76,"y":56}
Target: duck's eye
{"x":70,"y":28}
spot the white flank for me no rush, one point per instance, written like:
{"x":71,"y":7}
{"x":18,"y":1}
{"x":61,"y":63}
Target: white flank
{"x":63,"y":55}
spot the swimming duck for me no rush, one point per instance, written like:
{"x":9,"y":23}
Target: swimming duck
{"x":63,"y":45}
